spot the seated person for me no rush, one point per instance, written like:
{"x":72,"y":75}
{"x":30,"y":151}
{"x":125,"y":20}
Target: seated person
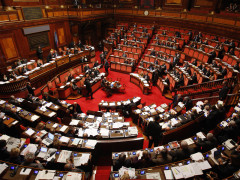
{"x":75,"y":109}
{"x":15,"y":157}
{"x":4,"y":154}
{"x":146,"y":77}
{"x":29,"y":159}
{"x":162,"y":157}
{"x":208,"y":144}
{"x":182,"y":153}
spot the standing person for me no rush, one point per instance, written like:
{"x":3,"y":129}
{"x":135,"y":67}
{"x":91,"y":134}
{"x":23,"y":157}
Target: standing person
{"x":102,"y":58}
{"x":30,"y":88}
{"x":39,"y":53}
{"x":106,"y":66}
{"x":224,"y":91}
{"x":88,"y":86}
{"x":154,"y":132}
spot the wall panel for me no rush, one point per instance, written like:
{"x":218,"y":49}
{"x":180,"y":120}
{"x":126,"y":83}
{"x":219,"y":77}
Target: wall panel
{"x":8,"y":47}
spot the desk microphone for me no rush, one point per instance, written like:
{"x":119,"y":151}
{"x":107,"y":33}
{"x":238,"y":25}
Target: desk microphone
{"x":14,"y":171}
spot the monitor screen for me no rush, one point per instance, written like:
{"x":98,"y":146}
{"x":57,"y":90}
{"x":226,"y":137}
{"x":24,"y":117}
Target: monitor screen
{"x":50,"y":136}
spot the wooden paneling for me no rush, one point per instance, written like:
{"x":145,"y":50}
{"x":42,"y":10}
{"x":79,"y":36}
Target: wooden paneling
{"x":61,"y":36}
{"x":9,"y":47}
{"x":4,"y":17}
{"x":224,"y":21}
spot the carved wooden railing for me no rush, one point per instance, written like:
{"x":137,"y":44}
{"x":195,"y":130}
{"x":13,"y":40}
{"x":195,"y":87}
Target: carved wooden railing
{"x":231,"y":100}
{"x":204,"y":87}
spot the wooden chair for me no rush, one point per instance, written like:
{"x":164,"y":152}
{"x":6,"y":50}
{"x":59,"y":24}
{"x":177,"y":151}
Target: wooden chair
{"x":58,"y":83}
{"x":52,"y":88}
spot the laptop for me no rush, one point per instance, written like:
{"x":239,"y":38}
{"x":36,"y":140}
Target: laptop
{"x":49,"y":139}
{"x":42,"y":153}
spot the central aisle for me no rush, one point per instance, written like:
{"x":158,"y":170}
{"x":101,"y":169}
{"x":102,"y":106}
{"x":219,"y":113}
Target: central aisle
{"x":131,"y":91}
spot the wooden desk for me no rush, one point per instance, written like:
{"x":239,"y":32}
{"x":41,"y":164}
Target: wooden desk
{"x":121,"y":67}
{"x":143,"y":85}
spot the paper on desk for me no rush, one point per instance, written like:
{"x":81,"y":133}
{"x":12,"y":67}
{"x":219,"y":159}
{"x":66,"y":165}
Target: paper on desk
{"x":34,"y":117}
{"x":133,"y":130}
{"x":187,"y":171}
{"x":177,"y":172}
{"x":204,"y":165}
{"x":78,"y":161}
{"x":74,"y":122}
{"x":63,"y":128}
{"x":154,"y":175}
{"x":138,"y":111}
{"x":168,"y":174}
{"x":46,"y":174}
{"x":91,"y":144}
{"x":3,"y":167}
{"x":197,"y":156}
{"x":64,"y":139}
{"x":73,"y":176}
{"x":104,"y":132}
{"x":51,"y":114}
{"x":32,"y":148}
{"x":29,"y":132}
{"x":63,"y":156}
{"x":5,"y":137}
{"x":75,"y":141}
{"x":26,"y":172}
{"x":189,"y":141}
{"x":200,"y":135}
{"x":131,"y":172}
{"x":196,"y":168}
{"x":55,"y":125}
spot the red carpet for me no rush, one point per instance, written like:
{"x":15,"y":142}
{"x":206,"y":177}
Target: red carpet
{"x":131,"y":91}
{"x":103,"y":172}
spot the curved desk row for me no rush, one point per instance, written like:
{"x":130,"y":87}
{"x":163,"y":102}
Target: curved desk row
{"x":40,"y":75}
{"x":140,"y":82}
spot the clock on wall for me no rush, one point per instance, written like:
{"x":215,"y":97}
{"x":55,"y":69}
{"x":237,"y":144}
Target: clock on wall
{"x":146,"y":13}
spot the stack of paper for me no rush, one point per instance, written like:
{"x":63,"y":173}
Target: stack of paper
{"x":78,"y":161}
{"x":73,"y":176}
{"x":64,"y":139}
{"x":91,"y":144}
{"x":133,"y":130}
{"x":74,"y":122}
{"x":197,"y":156}
{"x":168,"y":174}
{"x":34,"y":117}
{"x":45,"y":174}
{"x":29,"y":132}
{"x":3,"y":167}
{"x":64,"y":155}
{"x":131,"y":172}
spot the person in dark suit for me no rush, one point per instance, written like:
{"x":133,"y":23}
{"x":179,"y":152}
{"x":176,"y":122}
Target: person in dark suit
{"x":146,"y":77}
{"x":106,"y":66}
{"x":208,"y":144}
{"x":24,"y":69}
{"x":176,"y":99}
{"x":154,"y":131}
{"x":88,"y":86}
{"x":182,"y":153}
{"x":50,"y":56}
{"x":30,"y":88}
{"x":229,"y":132}
{"x":224,"y":91}
{"x":194,"y":78}
{"x":175,"y":61}
{"x":124,"y":55}
{"x":86,"y":68}
{"x":153,"y":53}
{"x":224,"y":72}
{"x":154,"y":77}
{"x":4,"y":154}
{"x":188,"y":103}
{"x":15,"y":157}
{"x":75,"y":109}
{"x":164,"y":157}
{"x":102,"y":57}
{"x":80,"y":45}
{"x":39,"y":52}
{"x":95,"y":64}
{"x":70,"y":77}
{"x":96,"y":72}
